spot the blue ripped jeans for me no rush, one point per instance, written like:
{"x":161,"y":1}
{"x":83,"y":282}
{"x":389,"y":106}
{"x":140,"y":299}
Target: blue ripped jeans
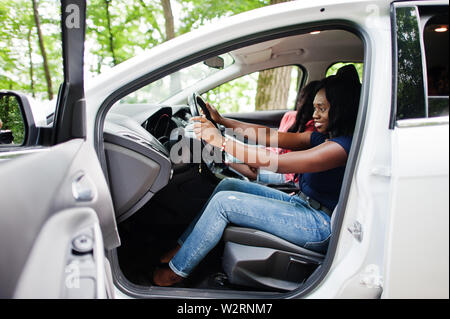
{"x":255,"y":206}
{"x":269,"y":177}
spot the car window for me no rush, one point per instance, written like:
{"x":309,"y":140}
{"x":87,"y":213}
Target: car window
{"x":168,"y":86}
{"x":421,"y":53}
{"x":332,"y":70}
{"x":244,"y":94}
{"x":409,"y":86}
{"x":435,"y":39}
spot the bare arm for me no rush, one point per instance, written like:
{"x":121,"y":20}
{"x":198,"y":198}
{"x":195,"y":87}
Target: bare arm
{"x":262,"y":135}
{"x":320,"y":158}
{"x":246,"y":170}
{"x":317,"y":159}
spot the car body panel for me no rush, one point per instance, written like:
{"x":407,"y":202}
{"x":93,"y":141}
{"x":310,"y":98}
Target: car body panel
{"x":380,"y":249}
{"x":31,"y":229}
{"x":358,"y":266}
{"x":377,"y":65}
{"x":67,"y":204}
{"x":419,"y":204}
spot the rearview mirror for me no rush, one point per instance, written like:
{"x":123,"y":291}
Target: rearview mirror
{"x":16,"y":120}
{"x":215,"y":62}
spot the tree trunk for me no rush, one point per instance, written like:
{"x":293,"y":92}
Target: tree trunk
{"x":273,"y":85}
{"x":30,"y":53}
{"x":175,"y":82}
{"x":44,"y":54}
{"x":168,"y":17}
{"x":273,"y":89}
{"x":6,"y":118}
{"x":149,"y":11}
{"x":111,"y":39}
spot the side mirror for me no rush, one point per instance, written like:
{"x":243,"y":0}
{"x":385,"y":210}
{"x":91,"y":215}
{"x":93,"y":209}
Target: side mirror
{"x":17,"y":125}
{"x":215,"y":62}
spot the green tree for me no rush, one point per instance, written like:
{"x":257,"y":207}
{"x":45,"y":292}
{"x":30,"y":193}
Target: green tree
{"x":196,"y":13}
{"x":37,"y":21}
{"x":332,"y":70}
{"x":11,"y":118}
{"x":410,"y":93}
{"x":118,"y":30}
{"x":21,"y":61}
{"x":31,"y":60}
{"x":233,"y":96}
{"x":168,"y":17}
{"x":273,"y":85}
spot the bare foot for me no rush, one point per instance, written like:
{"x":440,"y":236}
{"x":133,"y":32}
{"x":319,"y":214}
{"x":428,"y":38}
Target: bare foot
{"x":165,"y":277}
{"x":169,"y":255}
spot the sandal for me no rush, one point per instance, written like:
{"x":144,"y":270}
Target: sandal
{"x":165,"y":277}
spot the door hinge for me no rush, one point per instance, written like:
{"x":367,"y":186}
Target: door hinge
{"x":356,"y":230}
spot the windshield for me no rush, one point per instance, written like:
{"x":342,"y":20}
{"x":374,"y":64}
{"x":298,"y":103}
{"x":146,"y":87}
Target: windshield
{"x":162,"y":89}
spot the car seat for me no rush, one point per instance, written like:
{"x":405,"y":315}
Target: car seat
{"x":258,"y":259}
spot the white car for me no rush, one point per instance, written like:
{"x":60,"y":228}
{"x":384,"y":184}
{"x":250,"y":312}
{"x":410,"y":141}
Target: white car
{"x":93,"y":201}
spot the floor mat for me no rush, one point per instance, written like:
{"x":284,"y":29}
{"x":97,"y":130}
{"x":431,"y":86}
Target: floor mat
{"x":143,"y":244}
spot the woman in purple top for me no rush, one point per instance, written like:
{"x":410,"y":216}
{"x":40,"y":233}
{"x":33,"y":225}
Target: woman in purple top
{"x":304,"y":218}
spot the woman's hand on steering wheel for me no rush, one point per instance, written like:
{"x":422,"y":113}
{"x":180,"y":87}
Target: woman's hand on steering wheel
{"x":215,"y":115}
{"x":206,"y":130}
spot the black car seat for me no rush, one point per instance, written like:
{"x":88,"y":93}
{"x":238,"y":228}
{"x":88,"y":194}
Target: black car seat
{"x":258,"y":259}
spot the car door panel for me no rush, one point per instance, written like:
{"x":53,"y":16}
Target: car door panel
{"x":53,"y":263}
{"x":38,"y":186}
{"x":417,"y":247}
{"x":55,"y":198}
{"x":86,"y":175}
{"x":417,"y":252}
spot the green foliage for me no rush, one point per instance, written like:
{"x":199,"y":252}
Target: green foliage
{"x":239,"y":95}
{"x":115,"y":31}
{"x":11,"y":118}
{"x":332,"y":70}
{"x":199,"y":12}
{"x":234,"y":96}
{"x":18,"y":35}
{"x":410,"y":94}
{"x":118,"y":30}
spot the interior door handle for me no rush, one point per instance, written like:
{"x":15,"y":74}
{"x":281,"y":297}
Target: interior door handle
{"x":83,"y":188}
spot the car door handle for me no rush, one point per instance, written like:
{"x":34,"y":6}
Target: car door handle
{"x":83,"y":188}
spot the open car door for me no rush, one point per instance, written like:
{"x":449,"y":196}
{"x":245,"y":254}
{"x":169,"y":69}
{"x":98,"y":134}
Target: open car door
{"x":56,"y":213}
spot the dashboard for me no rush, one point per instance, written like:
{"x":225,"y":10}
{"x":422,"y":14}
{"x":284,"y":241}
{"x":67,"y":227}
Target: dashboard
{"x":163,"y":122}
{"x":137,"y":141}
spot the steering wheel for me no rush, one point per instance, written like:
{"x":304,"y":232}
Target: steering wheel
{"x":197,"y":103}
